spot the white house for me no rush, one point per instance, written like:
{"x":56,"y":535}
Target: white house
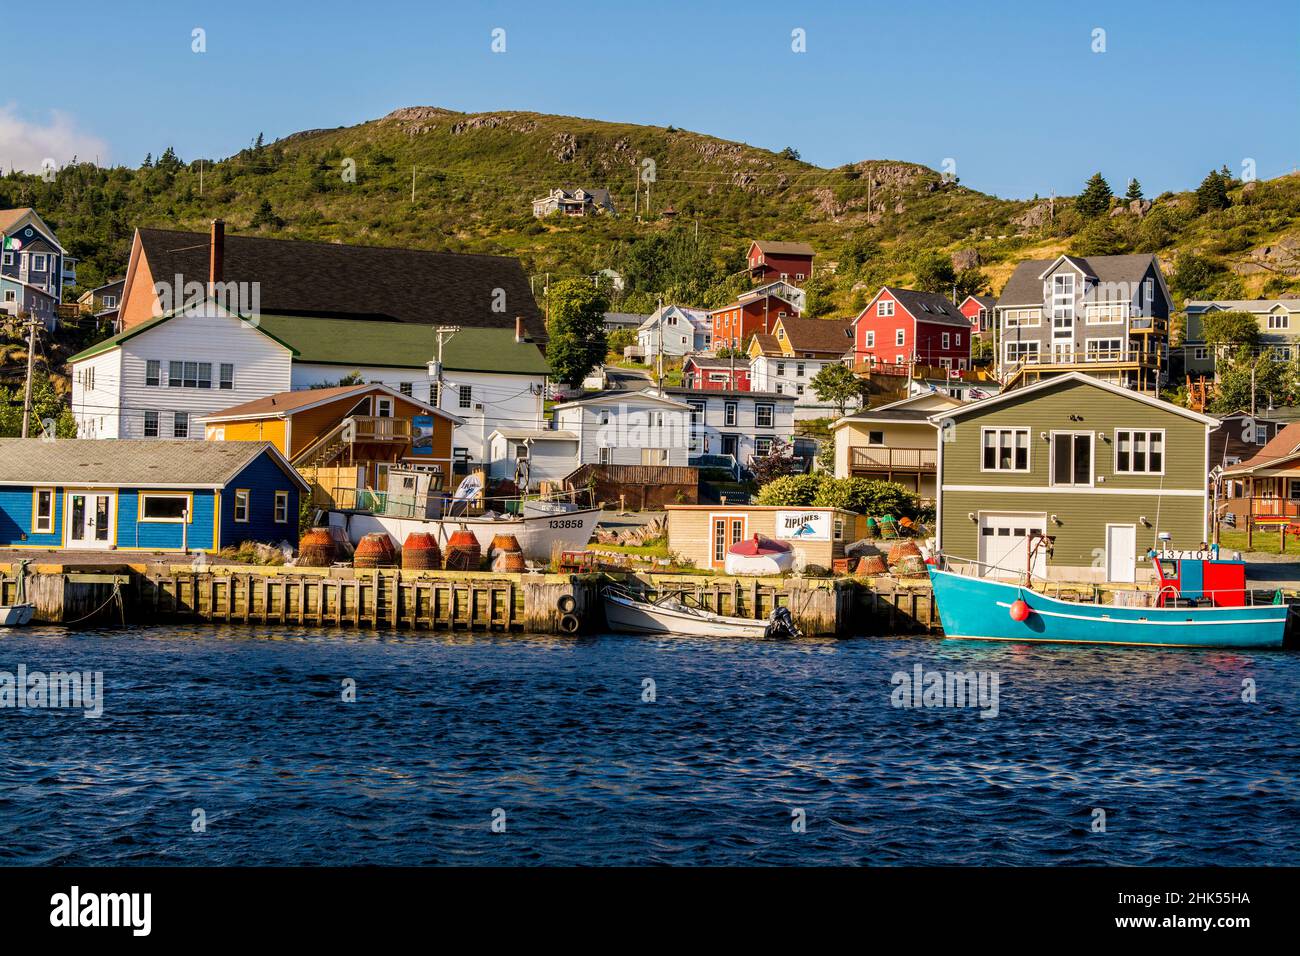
{"x":157,"y":378}
{"x":739,"y":424}
{"x":787,"y":360}
{"x":628,"y":428}
{"x":551,"y":454}
{"x":676,"y":331}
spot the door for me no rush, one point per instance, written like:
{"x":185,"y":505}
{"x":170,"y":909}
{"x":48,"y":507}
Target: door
{"x":90,"y":519}
{"x":1121,"y":553}
{"x":726,"y":530}
{"x":731,"y":445}
{"x":1004,"y":544}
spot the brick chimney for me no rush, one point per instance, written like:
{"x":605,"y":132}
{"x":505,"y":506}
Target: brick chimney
{"x":519,"y":329}
{"x":216,"y":255}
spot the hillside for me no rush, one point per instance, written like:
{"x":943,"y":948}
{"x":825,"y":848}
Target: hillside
{"x":475,"y":174}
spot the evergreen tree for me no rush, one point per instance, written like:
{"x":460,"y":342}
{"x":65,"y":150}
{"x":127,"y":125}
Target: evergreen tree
{"x":1212,"y":193}
{"x":1134,"y":190}
{"x":1095,"y":199}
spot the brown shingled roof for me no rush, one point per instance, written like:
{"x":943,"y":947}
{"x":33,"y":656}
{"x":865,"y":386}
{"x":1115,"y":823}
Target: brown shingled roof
{"x":331,"y":280}
{"x":818,"y":335}
{"x":769,"y":247}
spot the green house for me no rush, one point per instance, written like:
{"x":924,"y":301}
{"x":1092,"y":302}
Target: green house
{"x":1072,"y":478}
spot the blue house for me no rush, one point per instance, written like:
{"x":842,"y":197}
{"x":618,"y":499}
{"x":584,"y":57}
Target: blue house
{"x":32,"y":257}
{"x":145,"y":495}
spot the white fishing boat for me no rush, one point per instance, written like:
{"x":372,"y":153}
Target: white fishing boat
{"x":542,"y":526}
{"x":16,"y":615}
{"x":625,"y":611}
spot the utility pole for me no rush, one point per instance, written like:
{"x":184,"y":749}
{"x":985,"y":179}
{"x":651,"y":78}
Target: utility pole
{"x":27,"y":389}
{"x":412,"y":184}
{"x":200,"y":176}
{"x":444,"y":333}
{"x":1252,"y":390}
{"x":659,"y":324}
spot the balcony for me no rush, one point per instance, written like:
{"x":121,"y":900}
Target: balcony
{"x":875,"y":459}
{"x":369,"y":428}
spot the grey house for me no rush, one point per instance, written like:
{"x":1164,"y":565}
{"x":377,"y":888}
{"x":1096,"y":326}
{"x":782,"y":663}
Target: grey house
{"x":1106,"y":316}
{"x":574,"y":202}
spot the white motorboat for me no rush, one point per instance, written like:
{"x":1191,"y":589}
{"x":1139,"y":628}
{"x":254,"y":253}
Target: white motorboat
{"x":759,"y":556}
{"x":624,"y":611}
{"x":16,"y":615}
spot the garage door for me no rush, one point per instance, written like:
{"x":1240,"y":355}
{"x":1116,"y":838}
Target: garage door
{"x":1004,"y":543}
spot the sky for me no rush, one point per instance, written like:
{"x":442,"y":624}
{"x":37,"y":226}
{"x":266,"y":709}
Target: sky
{"x":1018,"y":99}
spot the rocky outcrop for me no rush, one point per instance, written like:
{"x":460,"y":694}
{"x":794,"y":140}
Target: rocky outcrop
{"x":1033,"y":217}
{"x":1281,"y":258}
{"x":564,"y":147}
{"x":966,"y":259}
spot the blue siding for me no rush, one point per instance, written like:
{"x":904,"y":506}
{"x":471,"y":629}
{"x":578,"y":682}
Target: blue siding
{"x":263,"y":478}
{"x":16,"y":519}
{"x":163,"y":535}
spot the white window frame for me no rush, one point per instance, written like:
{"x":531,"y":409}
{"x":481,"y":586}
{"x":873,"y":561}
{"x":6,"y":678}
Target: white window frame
{"x":947,"y":340}
{"x":870,"y":339}
{"x":1022,"y":318}
{"x":900,"y":337}
{"x":771,"y":415}
{"x":244,"y":495}
{"x":1164,"y":451}
{"x":144,"y":496}
{"x":39,"y":527}
{"x":1283,"y":320}
{"x":885,"y":308}
{"x":997,"y":456}
{"x":281,"y":507}
{"x":1031,"y":347}
{"x":1093,"y":354}
{"x":1092,"y":458}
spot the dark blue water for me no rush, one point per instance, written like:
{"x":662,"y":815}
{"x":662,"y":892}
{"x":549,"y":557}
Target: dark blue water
{"x":249,"y":725}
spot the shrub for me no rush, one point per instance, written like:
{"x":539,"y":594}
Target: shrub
{"x":791,"y":490}
{"x":867,"y":497}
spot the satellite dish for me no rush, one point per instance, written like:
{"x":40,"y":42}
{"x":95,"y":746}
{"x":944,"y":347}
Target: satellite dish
{"x":470,"y":487}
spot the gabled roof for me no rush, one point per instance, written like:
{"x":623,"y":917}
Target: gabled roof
{"x":899,"y":411}
{"x":11,"y":219}
{"x":135,"y":463}
{"x":922,"y":306}
{"x":534,"y":434}
{"x":773,"y":248}
{"x":711,"y":362}
{"x":698,"y":318}
{"x":114,"y":341}
{"x":985,"y":301}
{"x":818,"y":335}
{"x":1241,"y":305}
{"x":1046,"y":383}
{"x":1025,"y":287}
{"x":322,"y":279}
{"x":727,"y":393}
{"x":283,"y":404}
{"x":621,"y":395}
{"x":358,"y":343}
{"x":1283,"y":446}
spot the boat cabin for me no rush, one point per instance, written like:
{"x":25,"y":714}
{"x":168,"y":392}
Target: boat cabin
{"x":1192,"y":578}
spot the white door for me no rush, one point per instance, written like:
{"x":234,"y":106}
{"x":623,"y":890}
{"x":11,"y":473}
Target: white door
{"x":1121,"y":553}
{"x":90,"y":517}
{"x":1004,"y":544}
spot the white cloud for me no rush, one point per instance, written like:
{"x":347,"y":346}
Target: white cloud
{"x":24,"y":145}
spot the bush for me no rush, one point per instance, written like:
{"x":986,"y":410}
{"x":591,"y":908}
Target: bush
{"x":852,"y":494}
{"x":792,"y":490}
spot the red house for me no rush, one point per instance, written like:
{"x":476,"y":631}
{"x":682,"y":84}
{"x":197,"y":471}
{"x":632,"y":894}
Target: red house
{"x":715,"y":374}
{"x":902,"y":327}
{"x":979,"y":309}
{"x":768,"y":261}
{"x":752,"y":313}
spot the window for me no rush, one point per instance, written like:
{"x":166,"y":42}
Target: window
{"x":227,"y":382}
{"x":164,"y":508}
{"x":1278,"y":320}
{"x":1005,"y":449}
{"x":175,"y":374}
{"x":150,"y":424}
{"x":205,"y":375}
{"x":1293,"y":488}
{"x":875,"y":438}
{"x":606,"y":455}
{"x":110,"y":301}
{"x":406,"y":388}
{"x":242,"y":501}
{"x":383,"y":406}
{"x":180,"y":425}
{"x":42,"y":511}
{"x":958,"y":340}
{"x":762,"y":447}
{"x":1021,"y":318}
{"x":1072,"y":458}
{"x":282,"y":507}
{"x":1101,"y":313}
{"x":798,"y":276}
{"x":38,"y":262}
{"x":603,"y":416}
{"x":884,"y":307}
{"x":780,"y":368}
{"x":1139,"y":452}
{"x":947,"y":340}
{"x":838,"y":533}
{"x":1261,"y":434}
{"x":8,"y":259}
{"x":900,"y":337}
{"x":1103,"y":350}
{"x":798,"y":370}
{"x":466,"y":396}
{"x":153,"y":372}
{"x":1201,"y":353}
{"x":1063,"y":300}
{"x":1148,"y":292}
{"x":871,"y":339}
{"x":798,"y":389}
{"x":729,"y":413}
{"x":763,"y":414}
{"x":1021,"y":352}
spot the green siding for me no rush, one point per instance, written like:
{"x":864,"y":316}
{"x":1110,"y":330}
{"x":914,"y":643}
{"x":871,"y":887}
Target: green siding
{"x":1085,"y":513}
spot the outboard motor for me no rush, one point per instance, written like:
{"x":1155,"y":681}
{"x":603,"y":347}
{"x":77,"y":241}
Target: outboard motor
{"x":781,"y":625}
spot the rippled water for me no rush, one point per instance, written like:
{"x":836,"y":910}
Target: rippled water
{"x":248,"y":725}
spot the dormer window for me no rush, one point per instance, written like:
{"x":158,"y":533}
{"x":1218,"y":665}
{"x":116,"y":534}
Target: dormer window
{"x":885,"y":307}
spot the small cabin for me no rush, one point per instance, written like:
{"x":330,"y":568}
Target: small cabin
{"x":145,"y":495}
{"x":702,"y":534}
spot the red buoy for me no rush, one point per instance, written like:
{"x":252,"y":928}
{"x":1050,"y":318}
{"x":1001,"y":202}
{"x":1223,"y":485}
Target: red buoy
{"x":1019,"y":609}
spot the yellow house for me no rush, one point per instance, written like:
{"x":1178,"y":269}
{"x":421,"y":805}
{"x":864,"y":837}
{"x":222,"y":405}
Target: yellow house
{"x":895,"y":442}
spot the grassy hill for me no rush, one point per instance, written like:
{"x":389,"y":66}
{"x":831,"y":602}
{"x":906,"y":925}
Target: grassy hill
{"x":475,"y":175}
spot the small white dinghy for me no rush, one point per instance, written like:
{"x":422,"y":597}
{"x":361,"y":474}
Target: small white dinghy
{"x":759,"y":556}
{"x":16,"y":615}
{"x":624,"y":611}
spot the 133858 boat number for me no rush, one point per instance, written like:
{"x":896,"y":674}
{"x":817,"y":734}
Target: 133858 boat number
{"x":565,"y":523}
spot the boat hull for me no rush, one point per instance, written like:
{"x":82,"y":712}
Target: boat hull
{"x":538,"y":535}
{"x":624,"y":615}
{"x":979,"y":609}
{"x":16,"y":615}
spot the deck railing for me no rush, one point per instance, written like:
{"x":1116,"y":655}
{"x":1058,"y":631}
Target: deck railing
{"x":870,"y":458}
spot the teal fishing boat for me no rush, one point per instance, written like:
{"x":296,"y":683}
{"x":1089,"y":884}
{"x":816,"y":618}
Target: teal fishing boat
{"x":1197,"y":604}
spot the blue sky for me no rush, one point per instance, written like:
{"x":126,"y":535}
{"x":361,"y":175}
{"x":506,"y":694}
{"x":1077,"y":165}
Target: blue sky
{"x":1012,"y":92}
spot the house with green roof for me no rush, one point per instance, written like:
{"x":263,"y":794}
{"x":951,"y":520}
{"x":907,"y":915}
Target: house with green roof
{"x":157,"y":378}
